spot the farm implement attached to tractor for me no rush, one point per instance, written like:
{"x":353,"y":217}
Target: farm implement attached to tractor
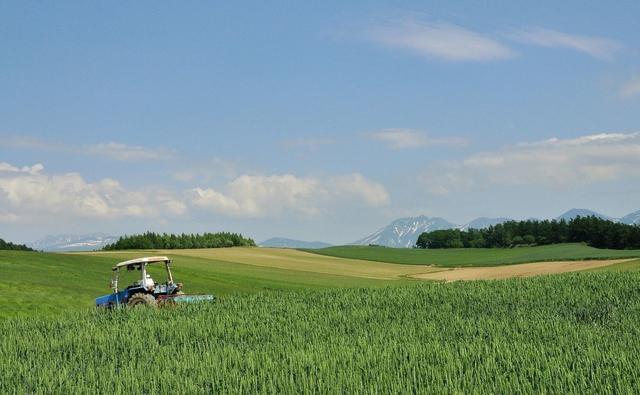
{"x":145,"y":291}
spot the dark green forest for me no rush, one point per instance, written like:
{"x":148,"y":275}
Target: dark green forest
{"x":151,"y":240}
{"x":593,"y":231}
{"x":7,"y":245}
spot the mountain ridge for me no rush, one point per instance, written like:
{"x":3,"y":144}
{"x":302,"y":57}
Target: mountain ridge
{"x":404,"y":232}
{"x":583,"y":212}
{"x":73,"y":242}
{"x":631,"y":218}
{"x":283,"y":242}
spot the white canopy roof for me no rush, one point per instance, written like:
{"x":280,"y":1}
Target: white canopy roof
{"x":148,"y":259}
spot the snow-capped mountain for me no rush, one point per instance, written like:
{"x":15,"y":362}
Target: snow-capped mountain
{"x":582,"y":212}
{"x":404,"y":232}
{"x":89,"y":242}
{"x":281,"y":242}
{"x":483,"y":222}
{"x":631,"y":219}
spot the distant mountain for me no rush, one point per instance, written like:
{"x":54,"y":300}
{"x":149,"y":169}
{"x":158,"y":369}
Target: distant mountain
{"x":483,"y":222}
{"x":631,"y":219}
{"x":404,"y":232}
{"x":281,"y":242}
{"x":65,"y":242}
{"x":575,"y":212}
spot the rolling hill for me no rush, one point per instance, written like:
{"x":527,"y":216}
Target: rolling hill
{"x":461,"y":257}
{"x":53,"y":283}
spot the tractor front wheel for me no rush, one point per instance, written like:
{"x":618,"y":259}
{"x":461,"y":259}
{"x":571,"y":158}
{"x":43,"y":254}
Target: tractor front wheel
{"x":141,"y":299}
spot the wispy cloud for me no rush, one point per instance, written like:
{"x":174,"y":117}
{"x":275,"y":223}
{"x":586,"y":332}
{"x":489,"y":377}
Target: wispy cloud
{"x":308,"y":142}
{"x":210,"y":169}
{"x":124,"y":152}
{"x":555,"y":163}
{"x":409,"y":138}
{"x":630,"y":88}
{"x":597,"y":47}
{"x":112,"y":150}
{"x":439,"y":40}
{"x":32,"y":143}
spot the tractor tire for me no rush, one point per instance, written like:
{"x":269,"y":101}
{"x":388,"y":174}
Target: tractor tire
{"x":142,"y":300}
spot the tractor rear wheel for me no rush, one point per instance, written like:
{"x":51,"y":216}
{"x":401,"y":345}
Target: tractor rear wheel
{"x":141,"y":299}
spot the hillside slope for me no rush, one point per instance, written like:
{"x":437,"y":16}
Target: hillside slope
{"x":48,"y":283}
{"x":453,"y":257}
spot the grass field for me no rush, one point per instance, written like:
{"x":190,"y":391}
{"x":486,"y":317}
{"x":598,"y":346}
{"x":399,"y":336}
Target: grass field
{"x":289,"y":321}
{"x":41,"y":283}
{"x":571,"y":333}
{"x":475,"y":256}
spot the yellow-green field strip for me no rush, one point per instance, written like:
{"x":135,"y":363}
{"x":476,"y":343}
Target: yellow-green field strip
{"x":289,"y":259}
{"x":300,"y":261}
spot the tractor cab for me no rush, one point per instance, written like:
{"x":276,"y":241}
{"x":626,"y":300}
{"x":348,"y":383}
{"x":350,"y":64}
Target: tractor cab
{"x":143,"y":280}
{"x":144,"y":290}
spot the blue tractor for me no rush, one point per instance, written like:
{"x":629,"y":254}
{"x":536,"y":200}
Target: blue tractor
{"x":145,"y":291}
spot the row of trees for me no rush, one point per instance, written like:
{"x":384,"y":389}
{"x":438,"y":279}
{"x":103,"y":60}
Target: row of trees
{"x":594,"y":231}
{"x":7,"y":245}
{"x":151,"y":240}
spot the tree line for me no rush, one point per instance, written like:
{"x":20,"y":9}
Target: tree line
{"x":593,"y":231}
{"x":7,"y":245}
{"x":151,"y":240}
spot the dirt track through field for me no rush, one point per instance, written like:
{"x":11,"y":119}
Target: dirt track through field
{"x":510,"y":271}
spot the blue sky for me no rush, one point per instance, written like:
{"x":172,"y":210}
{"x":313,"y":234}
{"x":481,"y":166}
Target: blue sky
{"x":316,"y":121}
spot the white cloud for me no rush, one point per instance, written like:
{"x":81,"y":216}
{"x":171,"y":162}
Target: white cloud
{"x":630,"y":88}
{"x":439,"y":40}
{"x":597,"y":47}
{"x":355,"y":185}
{"x":555,"y":163}
{"x":112,"y":150}
{"x":269,"y":196}
{"x":27,"y":194}
{"x":8,"y":168}
{"x":409,"y":138}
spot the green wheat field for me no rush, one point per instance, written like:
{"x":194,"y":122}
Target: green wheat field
{"x":333,"y":321}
